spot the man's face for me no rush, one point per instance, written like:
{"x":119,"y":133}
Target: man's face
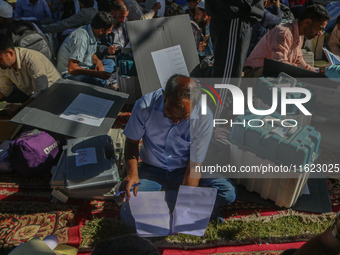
{"x":192,"y":4}
{"x":120,"y":16}
{"x":200,"y":18}
{"x":176,"y":114}
{"x":315,"y":29}
{"x":7,"y":58}
{"x":104,"y":32}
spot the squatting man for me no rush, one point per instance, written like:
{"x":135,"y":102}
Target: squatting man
{"x":175,"y":139}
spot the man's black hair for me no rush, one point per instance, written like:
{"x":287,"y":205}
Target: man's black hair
{"x":125,"y":245}
{"x":102,"y":20}
{"x":178,"y":92}
{"x":6,"y":43}
{"x":173,"y":10}
{"x":87,"y":3}
{"x":117,"y":5}
{"x":315,"y":12}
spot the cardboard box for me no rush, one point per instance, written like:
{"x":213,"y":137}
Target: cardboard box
{"x":8,"y":130}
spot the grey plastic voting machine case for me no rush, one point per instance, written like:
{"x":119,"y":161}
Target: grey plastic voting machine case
{"x":44,"y":112}
{"x":147,"y":36}
{"x":88,"y":180}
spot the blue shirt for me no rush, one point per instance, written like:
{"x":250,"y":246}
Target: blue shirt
{"x":40,"y":10}
{"x":80,"y":45}
{"x":166,"y":145}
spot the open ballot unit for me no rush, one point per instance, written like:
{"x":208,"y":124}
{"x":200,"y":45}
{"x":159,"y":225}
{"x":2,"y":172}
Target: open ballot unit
{"x":162,"y":47}
{"x":87,"y":167}
{"x":298,"y":147}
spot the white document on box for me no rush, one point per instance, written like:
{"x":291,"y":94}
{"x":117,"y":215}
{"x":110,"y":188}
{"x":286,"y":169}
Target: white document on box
{"x":168,"y":62}
{"x":151,"y":213}
{"x":160,"y":12}
{"x":88,"y":110}
{"x":193,"y":209}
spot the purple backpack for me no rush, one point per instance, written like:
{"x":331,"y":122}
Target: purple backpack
{"x":33,"y":152}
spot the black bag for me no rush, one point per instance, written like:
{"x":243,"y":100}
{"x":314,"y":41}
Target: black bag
{"x":24,"y":34}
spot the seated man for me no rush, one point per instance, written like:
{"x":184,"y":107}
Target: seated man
{"x":283,"y":43}
{"x":205,"y":47}
{"x":33,"y":8}
{"x":24,"y":73}
{"x":173,"y":145}
{"x":137,"y":12}
{"x":334,"y":40}
{"x":77,"y":59}
{"x":117,"y":38}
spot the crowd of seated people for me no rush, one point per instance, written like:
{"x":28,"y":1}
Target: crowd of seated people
{"x":85,"y":48}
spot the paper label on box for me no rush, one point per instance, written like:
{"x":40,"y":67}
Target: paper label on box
{"x":88,"y":110}
{"x":86,"y":156}
{"x":168,"y":62}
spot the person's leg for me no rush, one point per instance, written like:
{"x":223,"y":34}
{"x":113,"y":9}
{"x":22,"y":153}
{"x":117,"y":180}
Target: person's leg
{"x":231,"y":41}
{"x":109,"y":65}
{"x":225,"y":190}
{"x":83,"y":78}
{"x":17,"y":96}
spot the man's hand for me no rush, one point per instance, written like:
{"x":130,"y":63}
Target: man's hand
{"x":12,"y":109}
{"x":112,"y":49}
{"x":202,"y":46}
{"x":126,"y":185}
{"x":103,"y":75}
{"x":189,"y":181}
{"x":156,"y":6}
{"x":99,"y":66}
{"x":192,"y":178}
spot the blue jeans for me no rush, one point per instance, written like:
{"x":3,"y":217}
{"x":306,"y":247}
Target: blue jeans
{"x":108,"y":67}
{"x":156,"y":179}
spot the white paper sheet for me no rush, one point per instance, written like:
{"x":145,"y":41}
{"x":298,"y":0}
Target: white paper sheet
{"x":88,"y":110}
{"x":193,"y":209}
{"x":161,"y":11}
{"x":191,"y":215}
{"x":168,"y":62}
{"x":86,"y":156}
{"x":151,"y":213}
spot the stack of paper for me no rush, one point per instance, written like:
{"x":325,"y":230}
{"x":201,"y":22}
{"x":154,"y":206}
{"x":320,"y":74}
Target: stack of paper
{"x":191,"y":215}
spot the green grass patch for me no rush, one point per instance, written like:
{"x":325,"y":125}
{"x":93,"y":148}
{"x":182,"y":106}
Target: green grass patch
{"x":99,"y":229}
{"x":253,"y":229}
